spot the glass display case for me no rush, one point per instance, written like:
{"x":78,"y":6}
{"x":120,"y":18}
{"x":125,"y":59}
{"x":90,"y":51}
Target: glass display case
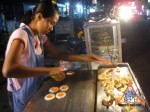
{"x":104,"y":39}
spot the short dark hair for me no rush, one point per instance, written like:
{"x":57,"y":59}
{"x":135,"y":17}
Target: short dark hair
{"x":46,"y":8}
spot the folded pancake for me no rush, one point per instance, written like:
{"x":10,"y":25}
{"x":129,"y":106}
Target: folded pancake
{"x":107,"y":101}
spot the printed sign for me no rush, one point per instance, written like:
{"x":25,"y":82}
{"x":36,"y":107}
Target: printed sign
{"x":130,"y":98}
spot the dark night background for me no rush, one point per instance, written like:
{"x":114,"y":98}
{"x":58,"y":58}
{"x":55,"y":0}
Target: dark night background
{"x":136,"y":50}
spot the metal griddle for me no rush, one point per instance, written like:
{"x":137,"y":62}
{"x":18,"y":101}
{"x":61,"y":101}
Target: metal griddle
{"x":79,"y":98}
{"x":85,"y":94}
{"x":101,"y":93}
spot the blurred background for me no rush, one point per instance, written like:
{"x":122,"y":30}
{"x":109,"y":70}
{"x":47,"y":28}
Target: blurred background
{"x":68,"y":34}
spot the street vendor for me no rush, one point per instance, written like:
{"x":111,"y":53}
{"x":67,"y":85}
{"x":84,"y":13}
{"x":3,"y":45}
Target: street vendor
{"x":24,"y":59}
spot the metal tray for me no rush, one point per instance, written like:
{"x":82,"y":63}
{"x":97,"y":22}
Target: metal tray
{"x":120,"y":107}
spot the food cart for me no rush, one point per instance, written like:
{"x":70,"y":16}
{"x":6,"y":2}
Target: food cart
{"x":105,"y":88}
{"x":88,"y":92}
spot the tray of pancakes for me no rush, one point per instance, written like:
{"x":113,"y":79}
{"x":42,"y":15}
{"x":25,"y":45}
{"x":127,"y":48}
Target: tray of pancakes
{"x":118,"y":90}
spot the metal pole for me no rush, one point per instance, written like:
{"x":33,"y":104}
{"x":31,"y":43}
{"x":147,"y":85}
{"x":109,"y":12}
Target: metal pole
{"x":71,"y":18}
